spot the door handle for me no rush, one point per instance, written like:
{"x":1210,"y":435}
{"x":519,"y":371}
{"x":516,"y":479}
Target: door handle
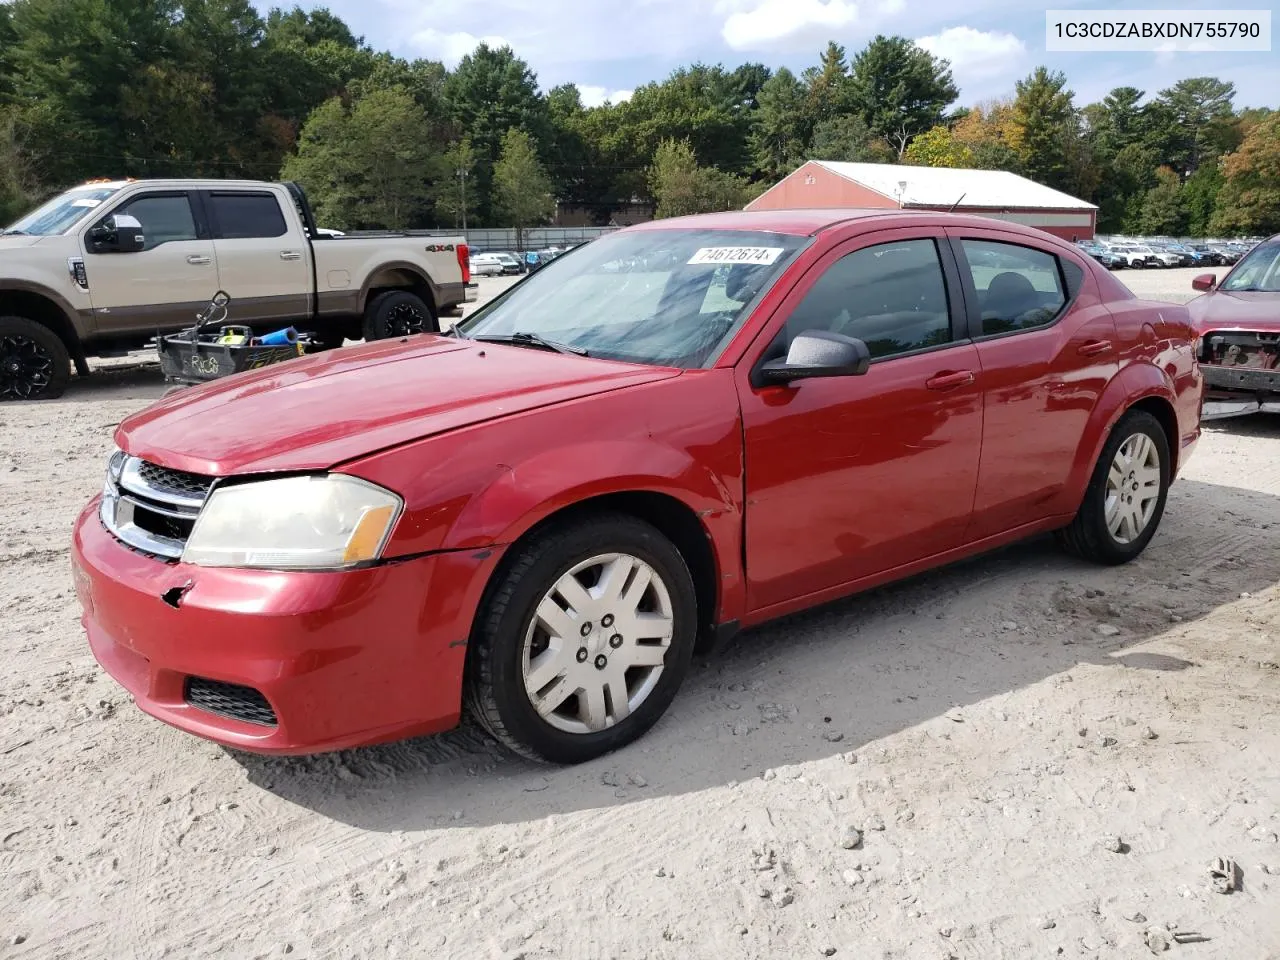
{"x":949,"y":381}
{"x":290,"y":255}
{"x":197,"y":259}
{"x":1094,"y":347}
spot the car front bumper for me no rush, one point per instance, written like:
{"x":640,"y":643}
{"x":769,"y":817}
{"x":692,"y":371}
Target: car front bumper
{"x":335,"y":660}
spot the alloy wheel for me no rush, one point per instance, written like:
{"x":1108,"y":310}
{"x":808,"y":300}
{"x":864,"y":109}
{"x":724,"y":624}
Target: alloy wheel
{"x":596,"y":645}
{"x":26,"y":367}
{"x":404,"y":319}
{"x":1133,"y":488}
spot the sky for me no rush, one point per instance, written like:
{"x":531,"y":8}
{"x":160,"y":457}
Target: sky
{"x":609,"y":47}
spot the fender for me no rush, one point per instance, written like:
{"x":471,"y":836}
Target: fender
{"x":1136,"y":381}
{"x":483,"y":487}
{"x":409,"y":268}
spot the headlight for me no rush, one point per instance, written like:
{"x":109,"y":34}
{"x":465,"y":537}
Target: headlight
{"x":314,"y":523}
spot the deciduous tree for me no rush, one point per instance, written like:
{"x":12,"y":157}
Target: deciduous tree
{"x":522,"y":189}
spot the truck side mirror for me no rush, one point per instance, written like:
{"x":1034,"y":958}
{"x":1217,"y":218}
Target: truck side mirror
{"x":119,"y":233}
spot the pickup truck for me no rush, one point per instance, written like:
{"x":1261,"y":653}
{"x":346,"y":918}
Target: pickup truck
{"x":103,"y":267}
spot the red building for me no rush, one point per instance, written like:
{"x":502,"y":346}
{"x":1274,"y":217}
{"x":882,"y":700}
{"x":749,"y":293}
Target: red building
{"x":989,"y":193}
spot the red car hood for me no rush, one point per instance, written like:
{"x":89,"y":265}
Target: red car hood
{"x":1223,"y":310}
{"x":327,"y":408}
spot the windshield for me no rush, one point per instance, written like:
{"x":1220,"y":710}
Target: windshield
{"x":62,"y":212}
{"x":669,"y":297}
{"x":1258,"y":270}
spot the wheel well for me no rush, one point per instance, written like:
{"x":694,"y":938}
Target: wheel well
{"x":676,"y":521}
{"x":42,"y":310}
{"x":398,"y":278}
{"x":1162,"y":410}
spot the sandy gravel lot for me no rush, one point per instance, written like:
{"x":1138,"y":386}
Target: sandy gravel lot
{"x":995,"y":731}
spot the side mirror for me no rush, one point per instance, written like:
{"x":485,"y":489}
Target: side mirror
{"x":818,"y":353}
{"x":119,"y":233}
{"x":1206,"y":281}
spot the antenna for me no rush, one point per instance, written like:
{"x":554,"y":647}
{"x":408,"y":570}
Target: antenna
{"x":957,"y":203}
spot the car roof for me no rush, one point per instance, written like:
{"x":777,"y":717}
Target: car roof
{"x":811,"y":221}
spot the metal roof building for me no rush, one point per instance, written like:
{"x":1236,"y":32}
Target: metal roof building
{"x":990,"y":193}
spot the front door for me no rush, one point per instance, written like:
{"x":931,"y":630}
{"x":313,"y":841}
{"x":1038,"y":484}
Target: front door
{"x":1046,"y":343}
{"x":161,"y":286}
{"x":850,"y":477}
{"x":263,"y":265}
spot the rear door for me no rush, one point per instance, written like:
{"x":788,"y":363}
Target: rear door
{"x":262,"y":256}
{"x":1047,"y":347}
{"x":166,"y":283}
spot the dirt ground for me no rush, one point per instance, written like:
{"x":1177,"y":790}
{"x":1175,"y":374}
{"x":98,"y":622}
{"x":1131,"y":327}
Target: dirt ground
{"x":1041,"y":758}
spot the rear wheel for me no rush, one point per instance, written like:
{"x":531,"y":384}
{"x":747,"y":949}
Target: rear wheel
{"x":396,"y":313}
{"x":34,"y":362}
{"x":583,"y":640}
{"x":1125,"y":499}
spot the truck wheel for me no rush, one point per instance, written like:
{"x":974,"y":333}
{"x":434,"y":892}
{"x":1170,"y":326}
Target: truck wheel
{"x":396,"y":313}
{"x":34,"y":362}
{"x":1125,"y":499}
{"x":583,"y":639}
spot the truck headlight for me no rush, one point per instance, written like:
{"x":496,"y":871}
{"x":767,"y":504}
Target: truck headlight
{"x":327,"y":522}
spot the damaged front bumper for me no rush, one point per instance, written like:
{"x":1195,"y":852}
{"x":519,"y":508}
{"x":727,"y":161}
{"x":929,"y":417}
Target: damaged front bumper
{"x":1241,"y":372}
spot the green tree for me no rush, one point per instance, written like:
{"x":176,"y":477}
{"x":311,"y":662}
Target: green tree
{"x":828,"y":92}
{"x":522,"y":189}
{"x":455,"y":199}
{"x":939,"y":148}
{"x":900,"y":89}
{"x":1200,"y":198}
{"x":682,"y":187}
{"x":848,"y":139}
{"x":369,"y":165}
{"x":1046,"y":120}
{"x":780,"y":133}
{"x":1249,"y":201}
{"x":1201,"y":110}
{"x":700,"y":104}
{"x":491,"y":92}
{"x":1163,"y":211}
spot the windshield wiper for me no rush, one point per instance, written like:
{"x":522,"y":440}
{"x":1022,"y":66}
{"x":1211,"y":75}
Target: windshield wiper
{"x":523,"y":339}
{"x":13,"y":233}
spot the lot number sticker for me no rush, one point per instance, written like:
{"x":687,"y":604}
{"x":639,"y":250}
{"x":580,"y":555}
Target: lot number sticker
{"x":762,"y":255}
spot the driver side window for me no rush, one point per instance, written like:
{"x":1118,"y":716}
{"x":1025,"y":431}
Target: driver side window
{"x":164,"y":218}
{"x":891,"y":296}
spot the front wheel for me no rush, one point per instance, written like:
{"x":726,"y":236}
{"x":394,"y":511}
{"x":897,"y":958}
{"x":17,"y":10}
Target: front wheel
{"x":34,"y":362}
{"x":1125,"y":499}
{"x":583,"y":639}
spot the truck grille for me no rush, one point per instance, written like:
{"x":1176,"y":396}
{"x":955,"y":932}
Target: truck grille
{"x":229,"y":700}
{"x":152,"y":508}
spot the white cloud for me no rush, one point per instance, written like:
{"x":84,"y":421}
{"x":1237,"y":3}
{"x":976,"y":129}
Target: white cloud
{"x":786,"y":25}
{"x":449,"y":48}
{"x":976,"y":54}
{"x":593,"y":96}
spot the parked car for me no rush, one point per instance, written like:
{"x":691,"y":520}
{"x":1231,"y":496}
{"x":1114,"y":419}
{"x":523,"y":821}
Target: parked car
{"x":103,"y":267}
{"x":1204,"y":256}
{"x":510,"y":263}
{"x":544,"y":512}
{"x":1131,"y":255}
{"x":1238,"y":320}
{"x":1101,"y":254}
{"x":486,"y":265}
{"x":1227,"y":254}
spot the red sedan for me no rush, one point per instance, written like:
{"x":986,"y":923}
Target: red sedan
{"x":673,"y":432}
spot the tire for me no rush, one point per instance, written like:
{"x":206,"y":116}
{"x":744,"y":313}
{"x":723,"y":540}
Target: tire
{"x":1091,"y":535}
{"x":396,"y":313}
{"x":34,"y":362}
{"x":508,"y":625}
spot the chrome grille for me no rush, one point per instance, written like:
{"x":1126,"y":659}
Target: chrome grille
{"x":152,"y":508}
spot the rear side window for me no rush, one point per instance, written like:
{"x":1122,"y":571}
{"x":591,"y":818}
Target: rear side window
{"x":246,"y":216}
{"x":1019,"y":288}
{"x":891,"y":296}
{"x":164,"y":219}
